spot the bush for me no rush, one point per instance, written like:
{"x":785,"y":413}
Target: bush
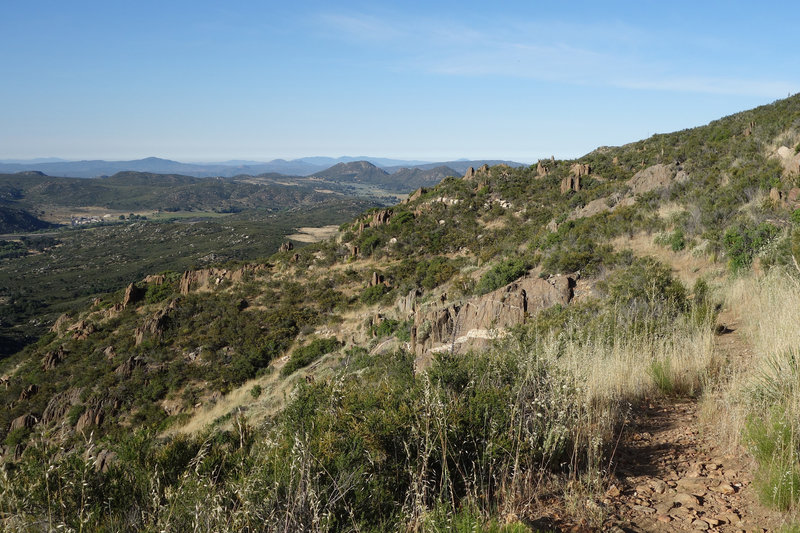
{"x":256,"y":391}
{"x":744,"y":241}
{"x":373,"y":295}
{"x":502,"y":274}
{"x":306,"y":355}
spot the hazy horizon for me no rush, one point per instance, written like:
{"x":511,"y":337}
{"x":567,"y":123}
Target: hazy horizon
{"x":204,"y":82}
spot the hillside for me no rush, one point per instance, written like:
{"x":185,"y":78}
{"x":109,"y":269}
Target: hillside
{"x":14,"y":220}
{"x":404,"y":179}
{"x":469,"y":358}
{"x":138,"y":191}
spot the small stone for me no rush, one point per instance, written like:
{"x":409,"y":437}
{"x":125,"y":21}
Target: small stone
{"x":664,"y":518}
{"x":664,"y":507}
{"x":643,"y":489}
{"x":644,"y":509}
{"x":725,"y":488}
{"x":701,"y":525}
{"x":686,"y":500}
{"x":613,"y":491}
{"x":712,"y":521}
{"x":658,"y":486}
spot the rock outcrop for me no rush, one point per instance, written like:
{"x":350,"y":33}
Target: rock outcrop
{"x":541,"y":170}
{"x":154,"y":325}
{"x":416,"y":194}
{"x":133,"y":295}
{"x":579,"y":169}
{"x":28,"y":392}
{"x":406,"y":305}
{"x":286,"y":247}
{"x":206,"y":278}
{"x":653,"y":178}
{"x":92,"y":416}
{"x":789,"y":159}
{"x":126,"y":369}
{"x":52,"y":358}
{"x":378,"y":279}
{"x":469,"y":174}
{"x":81,"y":330}
{"x":61,"y":323}
{"x":474,"y":322}
{"x":59,"y":405}
{"x":570,"y":183}
{"x":21,"y":422}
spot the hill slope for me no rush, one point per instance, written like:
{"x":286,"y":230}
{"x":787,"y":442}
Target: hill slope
{"x":440,"y":363}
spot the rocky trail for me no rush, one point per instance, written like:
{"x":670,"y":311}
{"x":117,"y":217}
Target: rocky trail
{"x":671,"y":474}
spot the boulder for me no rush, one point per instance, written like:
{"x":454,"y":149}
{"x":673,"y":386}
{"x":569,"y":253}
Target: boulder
{"x":776,"y":195}
{"x":286,"y":247}
{"x":541,"y":170}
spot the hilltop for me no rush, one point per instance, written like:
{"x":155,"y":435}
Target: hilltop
{"x":468,"y":358}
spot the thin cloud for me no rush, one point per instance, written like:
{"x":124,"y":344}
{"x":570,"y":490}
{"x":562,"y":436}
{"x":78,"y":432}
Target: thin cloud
{"x":617,"y":58}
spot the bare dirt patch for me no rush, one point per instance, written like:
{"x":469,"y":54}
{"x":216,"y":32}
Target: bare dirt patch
{"x":314,"y":234}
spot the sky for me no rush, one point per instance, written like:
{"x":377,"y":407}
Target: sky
{"x":521,"y":80}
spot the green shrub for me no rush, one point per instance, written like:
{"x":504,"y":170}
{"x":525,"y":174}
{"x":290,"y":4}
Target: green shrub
{"x":502,"y":274}
{"x":373,"y":295}
{"x":744,"y":241}
{"x":75,"y":413}
{"x":660,"y":372}
{"x":306,"y":355}
{"x":255,"y":392}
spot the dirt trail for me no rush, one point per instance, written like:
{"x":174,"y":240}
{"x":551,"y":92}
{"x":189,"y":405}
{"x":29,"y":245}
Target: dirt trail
{"x":671,"y":475}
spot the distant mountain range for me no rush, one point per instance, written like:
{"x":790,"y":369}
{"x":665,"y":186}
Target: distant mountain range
{"x":296,"y":167}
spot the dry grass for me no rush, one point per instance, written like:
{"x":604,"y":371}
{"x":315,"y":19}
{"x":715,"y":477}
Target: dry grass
{"x":685,"y":265}
{"x":767,"y":315}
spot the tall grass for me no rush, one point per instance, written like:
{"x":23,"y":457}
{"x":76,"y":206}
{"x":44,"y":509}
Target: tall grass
{"x":761,"y":399}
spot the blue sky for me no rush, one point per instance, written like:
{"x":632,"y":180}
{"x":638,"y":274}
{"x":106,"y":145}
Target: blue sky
{"x":210,"y":81}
